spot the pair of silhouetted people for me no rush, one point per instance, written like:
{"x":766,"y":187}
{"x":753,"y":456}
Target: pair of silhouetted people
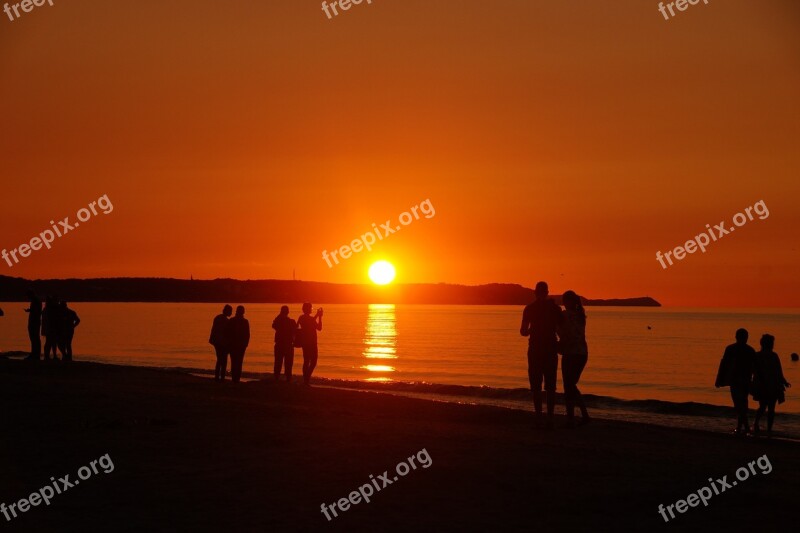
{"x":56,"y":323}
{"x":542,"y":321}
{"x":301,"y":334}
{"x":747,"y":372}
{"x":230,"y":336}
{"x":284,"y":327}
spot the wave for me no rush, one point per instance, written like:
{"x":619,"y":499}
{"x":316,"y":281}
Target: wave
{"x":521,"y":397}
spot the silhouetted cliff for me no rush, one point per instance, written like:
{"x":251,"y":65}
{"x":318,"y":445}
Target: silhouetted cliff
{"x":277,"y":291}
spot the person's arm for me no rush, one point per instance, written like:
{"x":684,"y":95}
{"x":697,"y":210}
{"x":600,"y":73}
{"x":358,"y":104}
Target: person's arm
{"x":214,"y":333}
{"x":273,"y":323}
{"x":723,"y":370}
{"x":246,"y":333}
{"x":780,"y":372}
{"x":525,"y":327}
{"x":77,"y":320}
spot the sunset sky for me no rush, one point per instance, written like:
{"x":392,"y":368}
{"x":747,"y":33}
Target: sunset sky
{"x":560,"y":140}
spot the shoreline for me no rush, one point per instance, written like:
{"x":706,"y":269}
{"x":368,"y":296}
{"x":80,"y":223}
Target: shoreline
{"x":713,"y":418}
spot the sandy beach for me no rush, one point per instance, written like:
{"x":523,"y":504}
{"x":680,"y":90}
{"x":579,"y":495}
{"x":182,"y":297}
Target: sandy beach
{"x":193,"y":455}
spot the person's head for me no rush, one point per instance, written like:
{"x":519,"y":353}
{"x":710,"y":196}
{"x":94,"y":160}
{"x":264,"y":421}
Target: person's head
{"x":307,"y":308}
{"x":742,"y":335}
{"x":767,"y":342}
{"x":570,"y":299}
{"x":63,"y":304}
{"x":227,"y":310}
{"x":572,"y":302}
{"x":284,"y":310}
{"x":239,"y":310}
{"x":541,"y":291}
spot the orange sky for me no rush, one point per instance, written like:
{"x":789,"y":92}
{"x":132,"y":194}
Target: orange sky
{"x":561,"y":140}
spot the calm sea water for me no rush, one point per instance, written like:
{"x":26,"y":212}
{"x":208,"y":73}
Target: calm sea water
{"x":675,"y":360}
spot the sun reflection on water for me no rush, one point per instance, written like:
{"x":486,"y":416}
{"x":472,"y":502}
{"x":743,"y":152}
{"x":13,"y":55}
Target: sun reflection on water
{"x":380,"y":340}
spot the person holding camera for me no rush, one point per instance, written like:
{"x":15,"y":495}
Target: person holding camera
{"x":306,"y":338}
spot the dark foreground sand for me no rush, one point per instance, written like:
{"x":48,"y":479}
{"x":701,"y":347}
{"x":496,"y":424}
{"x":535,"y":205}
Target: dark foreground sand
{"x":193,"y":455}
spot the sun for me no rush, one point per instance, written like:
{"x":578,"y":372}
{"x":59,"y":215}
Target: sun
{"x":381,"y":272}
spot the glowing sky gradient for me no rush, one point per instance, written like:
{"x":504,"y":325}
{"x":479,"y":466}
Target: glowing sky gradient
{"x":561,"y":140}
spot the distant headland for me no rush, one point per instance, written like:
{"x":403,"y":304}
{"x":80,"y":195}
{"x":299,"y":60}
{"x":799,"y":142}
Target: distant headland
{"x":281,"y":291}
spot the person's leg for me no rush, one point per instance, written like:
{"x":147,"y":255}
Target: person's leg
{"x":57,"y":346}
{"x":578,"y":397}
{"x":306,"y":363}
{"x":68,"y":345}
{"x":276,"y":369}
{"x":550,"y":380}
{"x":47,"y":345}
{"x":762,"y":406}
{"x":770,"y":415}
{"x":745,"y":396}
{"x":235,"y":366}
{"x":736,"y":406}
{"x":535,"y":377}
{"x":36,"y":343}
{"x":218,"y":366}
{"x":739,"y":395}
{"x":568,"y":377}
{"x":313,"y":361}
{"x":288,"y":359}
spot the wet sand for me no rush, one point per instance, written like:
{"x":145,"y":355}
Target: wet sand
{"x":192,"y":454}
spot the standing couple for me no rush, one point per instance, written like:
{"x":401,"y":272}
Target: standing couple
{"x":748,"y":372}
{"x":230,"y":336}
{"x":301,"y":334}
{"x":552,"y":331}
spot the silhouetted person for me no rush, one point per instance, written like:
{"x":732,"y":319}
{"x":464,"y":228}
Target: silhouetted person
{"x":575,"y":352}
{"x":219,"y":340}
{"x":68,"y":321}
{"x":736,"y":371}
{"x":284,"y":343}
{"x":34,"y":311}
{"x":238,"y":339}
{"x":768,"y":382}
{"x":540,"y":321}
{"x":51,"y":324}
{"x":307,"y":338}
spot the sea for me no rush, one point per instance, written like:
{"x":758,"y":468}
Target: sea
{"x":655,"y":365}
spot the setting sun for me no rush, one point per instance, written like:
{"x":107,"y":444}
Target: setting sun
{"x":381,"y":272}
